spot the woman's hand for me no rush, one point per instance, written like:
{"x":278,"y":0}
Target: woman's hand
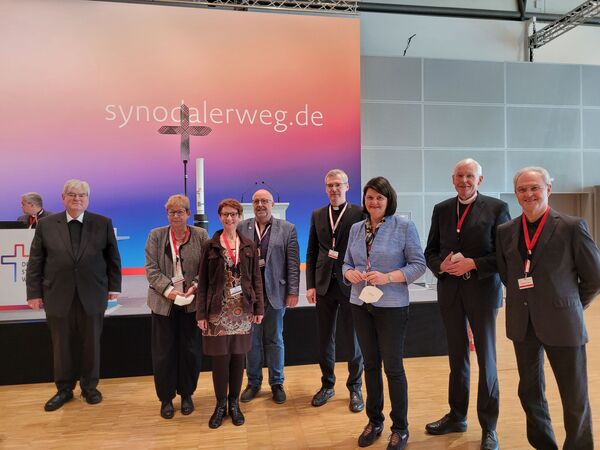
{"x":174,"y":293}
{"x":203,"y":325}
{"x":374,"y":277}
{"x":257,"y":319}
{"x":354,"y":276}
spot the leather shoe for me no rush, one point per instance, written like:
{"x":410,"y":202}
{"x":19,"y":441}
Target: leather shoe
{"x":279,"y":396}
{"x":369,"y":435}
{"x":237,"y":418}
{"x":489,"y":440}
{"x":216,"y":419}
{"x":166,"y":410}
{"x":446,"y":425}
{"x":356,"y":402}
{"x":321,"y":397}
{"x":187,"y":405}
{"x":58,"y":399}
{"x":249,"y":393}
{"x":398,"y":440}
{"x":93,"y":396}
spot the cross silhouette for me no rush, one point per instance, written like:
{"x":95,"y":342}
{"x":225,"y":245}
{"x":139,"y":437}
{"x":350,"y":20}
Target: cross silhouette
{"x":185,"y":131}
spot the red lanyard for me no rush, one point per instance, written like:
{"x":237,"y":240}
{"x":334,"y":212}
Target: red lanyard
{"x":335,"y":225}
{"x":231,"y":254}
{"x":530,"y":243}
{"x":462,"y":218}
{"x":174,"y":240}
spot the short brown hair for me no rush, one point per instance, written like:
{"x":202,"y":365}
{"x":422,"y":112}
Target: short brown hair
{"x":232,"y":203}
{"x":178,"y":201}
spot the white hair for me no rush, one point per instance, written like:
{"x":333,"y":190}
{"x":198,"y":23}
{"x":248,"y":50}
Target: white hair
{"x":468,"y":162}
{"x":76,"y":184}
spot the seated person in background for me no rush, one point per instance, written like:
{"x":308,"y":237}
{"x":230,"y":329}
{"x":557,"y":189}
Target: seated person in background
{"x":33,"y":209}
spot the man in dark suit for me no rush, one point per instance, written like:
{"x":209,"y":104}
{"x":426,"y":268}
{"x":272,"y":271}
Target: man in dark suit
{"x":551,"y":268}
{"x":74,"y":269}
{"x":461,"y":254}
{"x":279,"y":261}
{"x":33,"y":209}
{"x":327,"y":241}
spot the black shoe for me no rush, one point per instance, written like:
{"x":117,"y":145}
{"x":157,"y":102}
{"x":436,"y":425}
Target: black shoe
{"x":321,"y":397}
{"x":279,"y":396}
{"x":356,"y":402}
{"x":187,"y":405}
{"x":446,"y":425}
{"x":93,"y":396}
{"x":58,"y":399}
{"x":489,"y":440}
{"x":166,"y":410}
{"x":237,"y":418}
{"x":216,"y":419}
{"x":398,"y":440}
{"x":369,"y":435}
{"x":249,"y":393}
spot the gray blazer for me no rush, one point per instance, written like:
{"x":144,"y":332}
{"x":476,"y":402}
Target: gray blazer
{"x":282,"y":262}
{"x":566,"y":276}
{"x":159,"y":266}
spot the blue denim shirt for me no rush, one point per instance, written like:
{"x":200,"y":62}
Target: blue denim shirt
{"x":396,"y":246}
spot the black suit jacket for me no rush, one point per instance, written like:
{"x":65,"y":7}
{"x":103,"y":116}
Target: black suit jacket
{"x":477,"y":241}
{"x":566,"y":276}
{"x":319,"y":266}
{"x":25,"y":217}
{"x":54,"y":273}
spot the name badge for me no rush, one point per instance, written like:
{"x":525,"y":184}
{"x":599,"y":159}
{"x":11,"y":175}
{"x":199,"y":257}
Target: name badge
{"x":178,"y":283}
{"x":333,"y":254}
{"x":525,"y":283}
{"x":235,"y":290}
{"x":261,"y":263}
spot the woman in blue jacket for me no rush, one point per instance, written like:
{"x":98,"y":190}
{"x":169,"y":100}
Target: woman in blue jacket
{"x":383,"y":257}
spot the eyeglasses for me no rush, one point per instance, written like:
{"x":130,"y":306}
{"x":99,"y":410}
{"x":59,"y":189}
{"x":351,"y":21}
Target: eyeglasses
{"x":233,"y":215}
{"x":261,"y":201}
{"x":74,"y":195}
{"x":335,"y":185}
{"x":180,"y":212}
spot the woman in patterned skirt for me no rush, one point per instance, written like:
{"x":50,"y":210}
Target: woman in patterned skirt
{"x":229,"y":300}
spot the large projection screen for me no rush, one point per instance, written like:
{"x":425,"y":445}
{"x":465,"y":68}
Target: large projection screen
{"x":85,"y":85}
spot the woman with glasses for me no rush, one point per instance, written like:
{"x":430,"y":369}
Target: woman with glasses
{"x":172,"y":264}
{"x":229,"y":300}
{"x":382,"y":258}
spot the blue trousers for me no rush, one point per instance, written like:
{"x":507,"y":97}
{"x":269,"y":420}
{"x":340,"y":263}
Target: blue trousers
{"x":267,"y":344}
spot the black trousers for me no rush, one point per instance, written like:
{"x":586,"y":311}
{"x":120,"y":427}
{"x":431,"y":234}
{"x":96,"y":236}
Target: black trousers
{"x":482,"y":320}
{"x":327,"y":308}
{"x":569,"y":365}
{"x":76,"y":347}
{"x":176,"y":353}
{"x":381,"y":333}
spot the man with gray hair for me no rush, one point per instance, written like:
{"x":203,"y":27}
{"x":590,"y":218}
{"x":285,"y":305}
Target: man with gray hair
{"x":550,"y":266}
{"x":74,"y":268}
{"x":326,"y":289}
{"x":33,"y":209}
{"x":461,"y":254}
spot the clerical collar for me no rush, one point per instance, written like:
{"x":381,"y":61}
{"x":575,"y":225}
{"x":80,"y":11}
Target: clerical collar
{"x":468,"y":201}
{"x":337,"y":208}
{"x":78,"y":218}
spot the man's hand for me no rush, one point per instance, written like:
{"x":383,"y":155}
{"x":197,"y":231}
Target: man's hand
{"x":257,"y":319}
{"x":459,"y":268}
{"x":191,"y":291}
{"x":311,"y":296}
{"x":35,"y":303}
{"x":291,"y":300}
{"x":203,"y":325}
{"x":113,"y":296}
{"x":446,"y":263}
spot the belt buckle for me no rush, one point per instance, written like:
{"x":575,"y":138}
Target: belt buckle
{"x":467,"y":275}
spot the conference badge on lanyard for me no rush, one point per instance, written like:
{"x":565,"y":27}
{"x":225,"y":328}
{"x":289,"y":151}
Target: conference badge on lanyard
{"x":333,"y":254}
{"x":235,"y":258}
{"x":527,"y":281}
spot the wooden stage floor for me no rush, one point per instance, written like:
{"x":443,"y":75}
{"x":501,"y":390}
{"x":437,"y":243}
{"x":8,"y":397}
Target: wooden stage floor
{"x":129,"y":415}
